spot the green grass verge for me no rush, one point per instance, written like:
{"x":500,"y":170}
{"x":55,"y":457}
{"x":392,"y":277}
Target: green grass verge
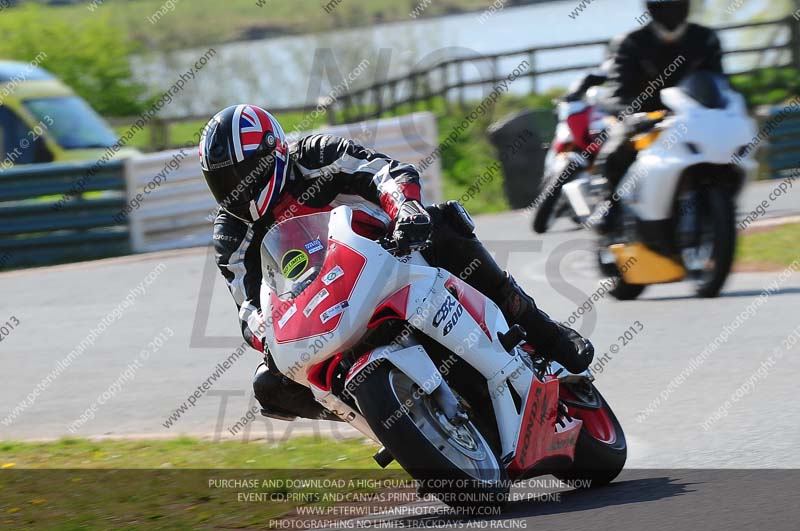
{"x":770,"y":247}
{"x":300,"y":453}
{"x":176,"y":485}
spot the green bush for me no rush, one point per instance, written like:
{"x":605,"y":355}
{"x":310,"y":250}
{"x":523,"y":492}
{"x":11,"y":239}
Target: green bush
{"x":471,"y":155}
{"x":92,"y":56}
{"x":770,"y":86}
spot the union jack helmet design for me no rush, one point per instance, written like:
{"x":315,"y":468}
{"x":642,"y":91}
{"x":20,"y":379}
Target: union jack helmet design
{"x":244,"y":157}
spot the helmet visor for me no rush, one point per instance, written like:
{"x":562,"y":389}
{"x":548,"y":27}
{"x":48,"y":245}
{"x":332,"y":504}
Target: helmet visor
{"x":232,"y":194}
{"x":237,"y":189}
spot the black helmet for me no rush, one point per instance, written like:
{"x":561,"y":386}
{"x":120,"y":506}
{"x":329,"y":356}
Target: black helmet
{"x":244,"y":157}
{"x":669,"y":16}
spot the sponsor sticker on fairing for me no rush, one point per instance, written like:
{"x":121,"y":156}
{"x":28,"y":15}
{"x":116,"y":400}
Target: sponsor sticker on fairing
{"x":314,"y":246}
{"x":294,"y":263}
{"x":333,"y":311}
{"x":332,"y":275}
{"x":318,"y":298}
{"x":288,"y":315}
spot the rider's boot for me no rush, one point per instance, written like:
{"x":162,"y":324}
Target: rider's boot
{"x":457,"y":249}
{"x":284,"y":399}
{"x":549,"y":339}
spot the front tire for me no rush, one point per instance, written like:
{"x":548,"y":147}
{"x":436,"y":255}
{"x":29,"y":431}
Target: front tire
{"x":601,"y":450}
{"x":719,"y":223}
{"x":546,"y":213}
{"x":622,"y":291}
{"x":454,"y":463}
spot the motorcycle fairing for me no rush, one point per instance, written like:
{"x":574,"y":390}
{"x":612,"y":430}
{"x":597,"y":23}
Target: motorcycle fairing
{"x":359,"y":283}
{"x":642,"y":266}
{"x":693,"y":136}
{"x":540,"y":439}
{"x":303,"y":324}
{"x":579,"y":123}
{"x":395,"y":307}
{"x":473,"y":301}
{"x":413,"y":361}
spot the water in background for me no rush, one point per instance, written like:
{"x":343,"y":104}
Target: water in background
{"x":277,"y":72}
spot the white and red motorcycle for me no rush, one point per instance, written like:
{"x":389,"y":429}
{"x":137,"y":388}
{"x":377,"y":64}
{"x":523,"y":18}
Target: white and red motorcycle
{"x":570,"y":155}
{"x":422,"y":363}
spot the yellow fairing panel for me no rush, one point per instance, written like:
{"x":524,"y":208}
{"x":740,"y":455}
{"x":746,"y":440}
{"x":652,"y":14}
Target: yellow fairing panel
{"x":639,"y":265}
{"x":645,"y":140}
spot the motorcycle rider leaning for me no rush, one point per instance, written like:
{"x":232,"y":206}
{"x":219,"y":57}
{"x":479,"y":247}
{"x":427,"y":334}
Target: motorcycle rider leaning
{"x":664,"y":52}
{"x":258,"y":179}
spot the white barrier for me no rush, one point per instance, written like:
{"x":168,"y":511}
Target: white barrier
{"x":177,"y":212}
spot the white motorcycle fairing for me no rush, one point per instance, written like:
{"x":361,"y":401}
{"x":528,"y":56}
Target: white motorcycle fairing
{"x":694,"y":135}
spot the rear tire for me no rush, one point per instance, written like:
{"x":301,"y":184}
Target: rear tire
{"x":601,"y":450}
{"x":458,"y":467}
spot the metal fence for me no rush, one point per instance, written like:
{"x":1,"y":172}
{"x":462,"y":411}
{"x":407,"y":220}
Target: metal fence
{"x":54,"y":213}
{"x":452,"y":79}
{"x":46,"y":218}
{"x":781,"y":155}
{"x":178,"y":211}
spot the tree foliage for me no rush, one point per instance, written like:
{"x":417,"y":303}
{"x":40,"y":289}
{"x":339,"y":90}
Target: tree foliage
{"x":91,"y":56}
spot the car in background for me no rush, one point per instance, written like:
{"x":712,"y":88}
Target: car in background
{"x":43,"y":120}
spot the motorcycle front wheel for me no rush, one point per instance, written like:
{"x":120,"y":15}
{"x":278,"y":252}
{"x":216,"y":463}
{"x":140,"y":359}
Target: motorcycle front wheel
{"x":546,"y":214}
{"x":710,"y":260}
{"x":455,"y":463}
{"x":601,"y":450}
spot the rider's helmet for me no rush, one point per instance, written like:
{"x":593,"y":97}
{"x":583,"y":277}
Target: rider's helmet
{"x":669,"y":18}
{"x":244,"y":157}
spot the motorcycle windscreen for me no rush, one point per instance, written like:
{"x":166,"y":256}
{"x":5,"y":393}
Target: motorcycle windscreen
{"x":293,"y":252}
{"x":706,"y":88}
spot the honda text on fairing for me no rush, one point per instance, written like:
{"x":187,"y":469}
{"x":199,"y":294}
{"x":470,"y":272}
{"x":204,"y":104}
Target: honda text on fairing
{"x":678,"y":199}
{"x":427,"y":366}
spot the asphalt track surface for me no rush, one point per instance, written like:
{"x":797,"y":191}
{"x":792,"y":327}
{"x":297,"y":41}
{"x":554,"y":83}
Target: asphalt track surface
{"x":656,"y":500}
{"x":57,"y":307}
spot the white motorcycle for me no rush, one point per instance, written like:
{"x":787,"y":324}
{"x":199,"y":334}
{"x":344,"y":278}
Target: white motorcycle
{"x":425,"y":365}
{"x":678,"y":199}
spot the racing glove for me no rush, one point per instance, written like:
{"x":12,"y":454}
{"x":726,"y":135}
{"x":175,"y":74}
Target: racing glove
{"x":412,"y":227}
